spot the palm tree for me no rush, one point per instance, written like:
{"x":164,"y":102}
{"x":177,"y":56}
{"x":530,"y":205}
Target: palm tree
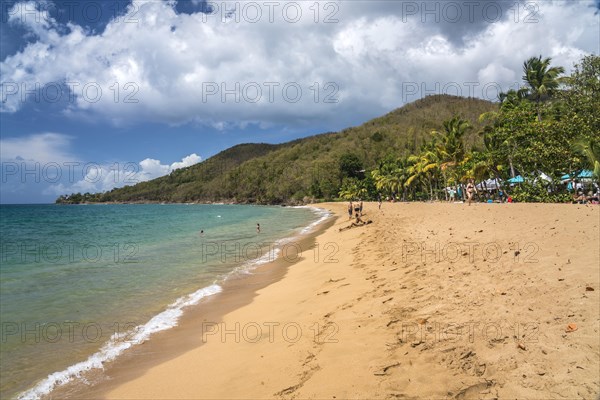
{"x":353,"y":189}
{"x":423,"y":169}
{"x":512,"y":98}
{"x":451,"y":149}
{"x":493,"y":144}
{"x":391,"y":176}
{"x":454,"y":130}
{"x":542,"y":79}
{"x":591,"y":151}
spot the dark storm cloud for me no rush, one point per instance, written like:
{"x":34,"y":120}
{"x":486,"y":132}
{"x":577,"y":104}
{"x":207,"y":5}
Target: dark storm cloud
{"x":344,"y":58}
{"x":456,"y":20}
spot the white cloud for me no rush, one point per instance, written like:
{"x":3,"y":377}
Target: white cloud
{"x":101,"y":178}
{"x":157,"y":65}
{"x":45,"y":159}
{"x":186,"y":162}
{"x":42,"y":148}
{"x":150,"y":168}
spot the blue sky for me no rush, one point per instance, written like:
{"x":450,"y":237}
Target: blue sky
{"x":90,"y":88}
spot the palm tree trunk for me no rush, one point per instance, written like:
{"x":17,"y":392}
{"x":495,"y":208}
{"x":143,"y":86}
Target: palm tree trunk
{"x":431,"y":190}
{"x":512,"y":168}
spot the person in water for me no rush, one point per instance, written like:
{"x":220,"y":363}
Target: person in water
{"x":257,"y":228}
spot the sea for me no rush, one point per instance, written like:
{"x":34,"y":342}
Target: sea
{"x":80,"y":284}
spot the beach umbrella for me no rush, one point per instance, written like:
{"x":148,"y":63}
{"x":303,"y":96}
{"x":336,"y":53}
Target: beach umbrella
{"x":586,"y":173}
{"x":516,"y":179}
{"x":565,"y":177}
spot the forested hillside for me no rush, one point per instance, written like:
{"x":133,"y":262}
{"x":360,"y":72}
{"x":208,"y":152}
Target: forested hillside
{"x":312,"y":167}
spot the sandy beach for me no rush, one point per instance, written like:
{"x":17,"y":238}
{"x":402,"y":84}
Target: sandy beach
{"x":428,"y":301}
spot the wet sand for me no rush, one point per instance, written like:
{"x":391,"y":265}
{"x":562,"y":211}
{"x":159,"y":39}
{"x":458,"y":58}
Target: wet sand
{"x":430,"y":300}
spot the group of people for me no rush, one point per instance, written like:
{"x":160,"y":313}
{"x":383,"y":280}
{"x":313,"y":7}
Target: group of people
{"x":357,"y":210}
{"x":471,"y":190}
{"x":591,"y":198}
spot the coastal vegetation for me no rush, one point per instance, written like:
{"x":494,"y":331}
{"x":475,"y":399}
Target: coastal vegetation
{"x":548,"y":128}
{"x":546,"y":133}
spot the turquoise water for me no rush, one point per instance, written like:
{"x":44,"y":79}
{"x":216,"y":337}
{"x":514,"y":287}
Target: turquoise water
{"x":74,"y":279}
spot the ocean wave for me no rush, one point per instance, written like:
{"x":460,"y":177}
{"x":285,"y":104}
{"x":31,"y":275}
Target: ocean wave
{"x":118,"y":343}
{"x":274,"y":251}
{"x":323,"y":215}
{"x":167,"y":319}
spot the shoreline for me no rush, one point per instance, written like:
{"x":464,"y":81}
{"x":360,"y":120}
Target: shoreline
{"x":384,"y":321}
{"x":237,"y":289}
{"x":216,"y":202}
{"x":430,"y":300}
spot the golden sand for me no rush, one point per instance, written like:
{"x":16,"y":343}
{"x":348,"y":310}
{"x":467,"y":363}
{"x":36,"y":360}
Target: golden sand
{"x":428,"y":301}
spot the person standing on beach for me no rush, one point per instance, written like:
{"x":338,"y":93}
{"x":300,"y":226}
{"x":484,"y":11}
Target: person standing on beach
{"x":471,"y":189}
{"x":257,"y":228}
{"x":451,"y":194}
{"x":379,"y":200}
{"x":350,"y":210}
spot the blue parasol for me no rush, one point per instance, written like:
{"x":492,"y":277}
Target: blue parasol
{"x":516,"y":179}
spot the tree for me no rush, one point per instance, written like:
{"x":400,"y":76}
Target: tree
{"x":512,"y":98}
{"x":542,"y":79}
{"x":591,"y":151}
{"x":424,"y":168}
{"x":582,"y":99}
{"x":353,"y":189}
{"x":350,"y":166}
{"x":391,"y":175}
{"x":450,"y":148}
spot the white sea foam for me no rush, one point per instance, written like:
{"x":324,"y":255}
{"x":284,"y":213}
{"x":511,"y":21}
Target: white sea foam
{"x":275,"y":249}
{"x":269,"y":256}
{"x":167,"y":319}
{"x":119,"y":343}
{"x":323,"y":215}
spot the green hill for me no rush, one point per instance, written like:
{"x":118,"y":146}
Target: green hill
{"x":308,"y":167}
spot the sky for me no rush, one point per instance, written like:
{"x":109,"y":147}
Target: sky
{"x":102,"y":94}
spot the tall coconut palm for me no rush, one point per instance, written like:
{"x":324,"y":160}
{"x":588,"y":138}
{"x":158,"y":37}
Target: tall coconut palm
{"x":423,"y":169}
{"x":451,"y":148}
{"x":391,"y":176}
{"x":591,"y":151}
{"x":492,"y":146}
{"x":542,"y":79}
{"x":454,"y":131}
